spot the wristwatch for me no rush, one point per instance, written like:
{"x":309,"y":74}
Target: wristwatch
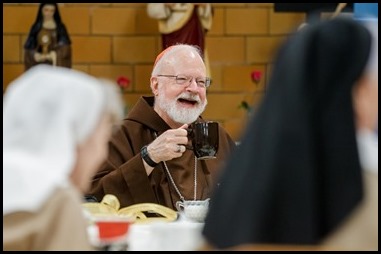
{"x":144,"y":154}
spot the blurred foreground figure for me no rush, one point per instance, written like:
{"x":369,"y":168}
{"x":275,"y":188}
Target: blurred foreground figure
{"x":306,"y":173}
{"x":57,"y":123}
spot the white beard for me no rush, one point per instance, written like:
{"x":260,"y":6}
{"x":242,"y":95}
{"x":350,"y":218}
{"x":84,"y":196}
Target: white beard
{"x":367,"y":143}
{"x":178,"y":113}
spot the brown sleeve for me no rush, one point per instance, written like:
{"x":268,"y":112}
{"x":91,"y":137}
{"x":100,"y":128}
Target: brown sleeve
{"x":123,"y":174}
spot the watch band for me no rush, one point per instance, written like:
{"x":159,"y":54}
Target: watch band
{"x":144,"y":154}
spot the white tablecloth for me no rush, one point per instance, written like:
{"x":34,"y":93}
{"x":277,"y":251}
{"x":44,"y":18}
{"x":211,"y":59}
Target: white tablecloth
{"x":180,"y":235}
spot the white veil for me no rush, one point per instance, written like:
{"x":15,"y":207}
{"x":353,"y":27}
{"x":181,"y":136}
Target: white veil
{"x":46,"y":112}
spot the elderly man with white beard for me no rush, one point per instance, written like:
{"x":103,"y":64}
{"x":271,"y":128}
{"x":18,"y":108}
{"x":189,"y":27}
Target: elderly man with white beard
{"x":149,"y":160}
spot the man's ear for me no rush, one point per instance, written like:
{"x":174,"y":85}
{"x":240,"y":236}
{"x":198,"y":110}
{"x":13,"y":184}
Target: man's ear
{"x":154,"y":85}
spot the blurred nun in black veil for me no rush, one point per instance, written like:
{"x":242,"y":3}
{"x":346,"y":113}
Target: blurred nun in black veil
{"x":301,"y":176}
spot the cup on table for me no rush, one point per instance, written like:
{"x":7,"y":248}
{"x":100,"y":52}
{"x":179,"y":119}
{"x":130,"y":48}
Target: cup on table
{"x":204,"y":137}
{"x":194,"y":210}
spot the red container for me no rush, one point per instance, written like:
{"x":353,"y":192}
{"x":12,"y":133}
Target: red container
{"x":112,"y":228}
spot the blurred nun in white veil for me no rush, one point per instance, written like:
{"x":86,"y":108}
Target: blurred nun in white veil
{"x":56,"y":126}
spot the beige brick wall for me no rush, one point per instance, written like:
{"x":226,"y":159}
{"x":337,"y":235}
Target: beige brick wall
{"x":110,"y":40}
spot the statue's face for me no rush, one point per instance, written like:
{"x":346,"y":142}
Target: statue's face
{"x":48,"y":11}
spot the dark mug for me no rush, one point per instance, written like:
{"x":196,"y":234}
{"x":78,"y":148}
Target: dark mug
{"x":204,"y":137}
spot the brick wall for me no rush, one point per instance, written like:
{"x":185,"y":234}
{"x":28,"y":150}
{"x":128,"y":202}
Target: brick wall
{"x":110,"y":39}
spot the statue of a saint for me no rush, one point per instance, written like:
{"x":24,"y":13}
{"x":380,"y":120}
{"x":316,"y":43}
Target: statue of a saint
{"x":48,"y":41}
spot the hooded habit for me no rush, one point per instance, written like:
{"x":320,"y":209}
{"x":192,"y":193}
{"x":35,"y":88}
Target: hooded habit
{"x":296,"y":174}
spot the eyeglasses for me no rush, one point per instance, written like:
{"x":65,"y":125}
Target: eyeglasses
{"x":182,"y":79}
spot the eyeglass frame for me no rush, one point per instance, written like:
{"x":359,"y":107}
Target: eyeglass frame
{"x":208,"y":80}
